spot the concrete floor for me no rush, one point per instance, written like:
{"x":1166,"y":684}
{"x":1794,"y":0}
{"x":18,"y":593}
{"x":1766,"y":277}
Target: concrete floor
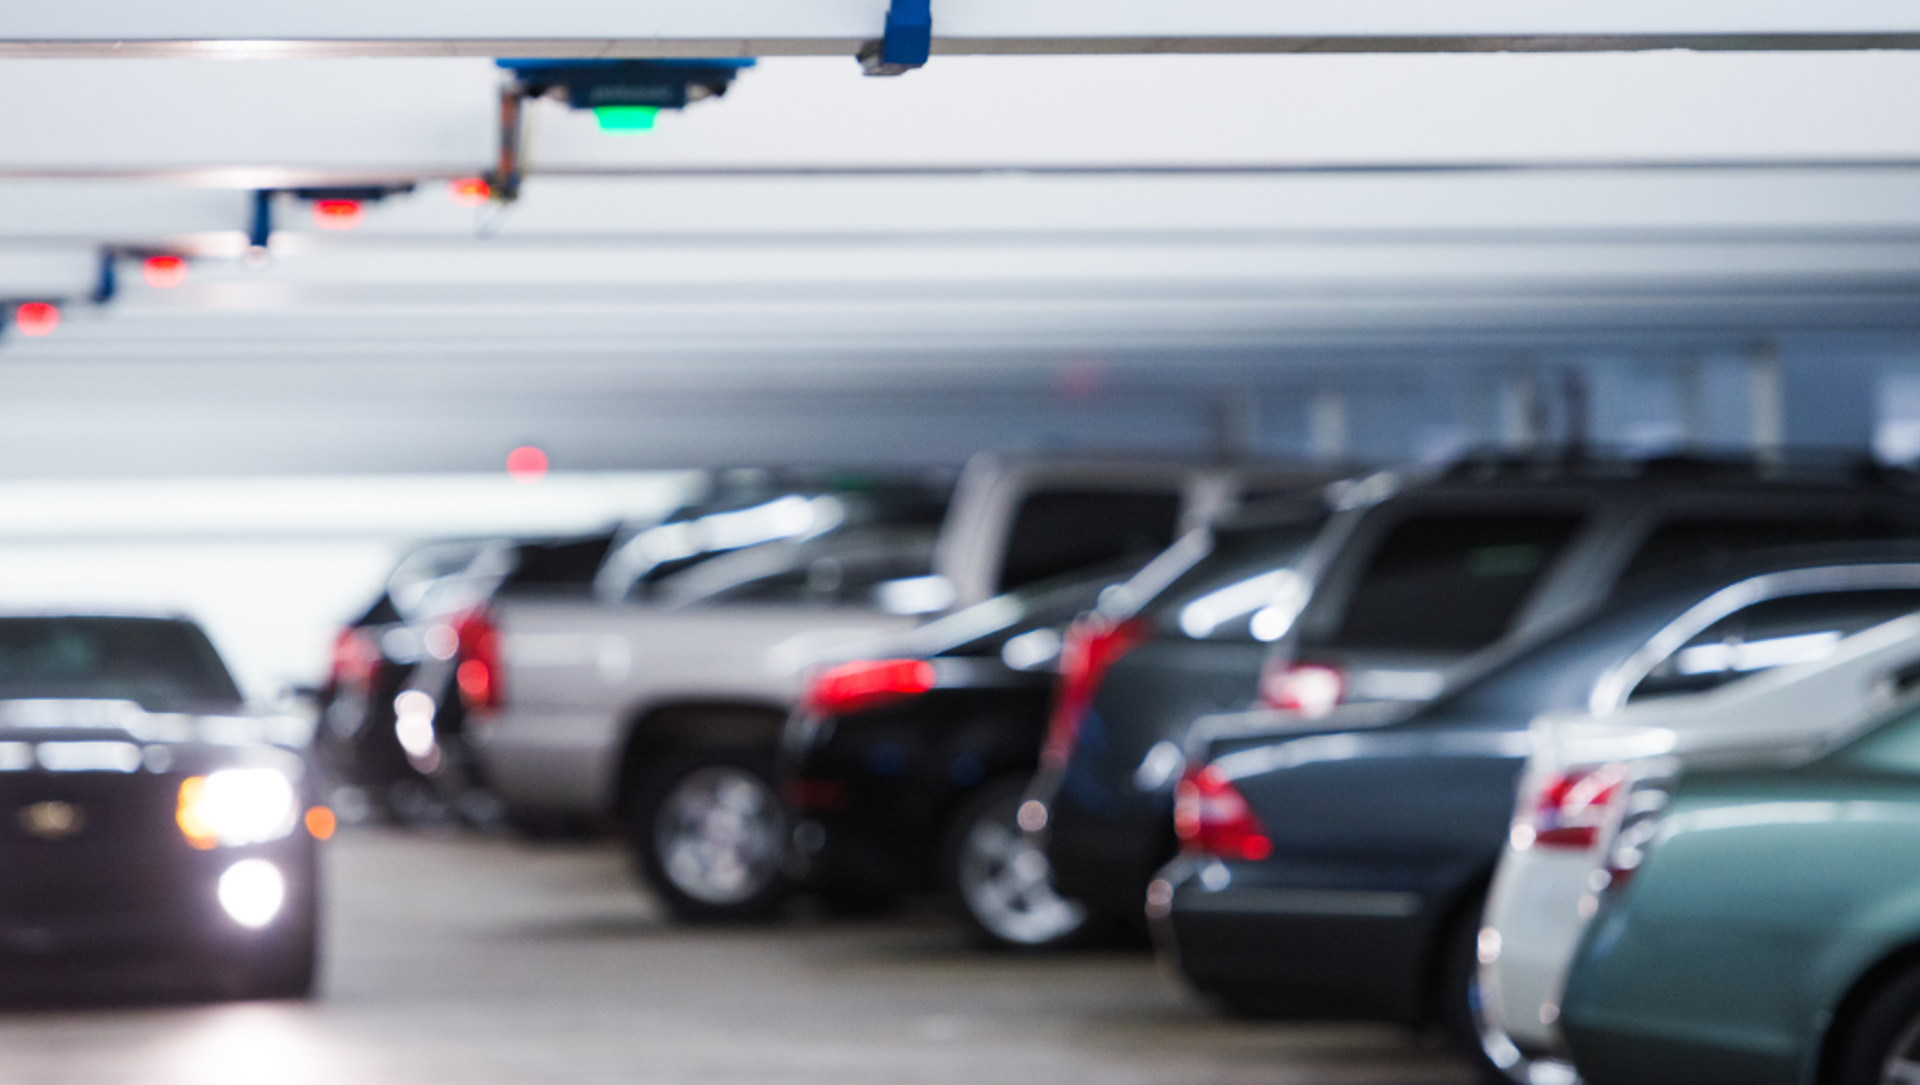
{"x":467,"y":961}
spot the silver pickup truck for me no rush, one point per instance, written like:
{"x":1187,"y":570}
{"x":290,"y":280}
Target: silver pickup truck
{"x":663,"y":710}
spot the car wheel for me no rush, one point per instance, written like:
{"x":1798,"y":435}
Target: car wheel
{"x":1001,"y":884}
{"x":1882,"y":1047}
{"x":710,"y":835}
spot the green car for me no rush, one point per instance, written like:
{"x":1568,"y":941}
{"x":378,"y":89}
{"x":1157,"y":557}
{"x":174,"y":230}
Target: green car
{"x":1763,"y":925}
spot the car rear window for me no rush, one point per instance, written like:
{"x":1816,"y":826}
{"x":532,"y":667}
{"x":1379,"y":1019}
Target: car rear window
{"x":1774,"y":633}
{"x":1451,"y":582}
{"x":840,"y":568}
{"x":556,"y":566}
{"x":1059,"y":531}
{"x":164,"y":665}
{"x":1694,"y":539}
{"x":1247,"y":569}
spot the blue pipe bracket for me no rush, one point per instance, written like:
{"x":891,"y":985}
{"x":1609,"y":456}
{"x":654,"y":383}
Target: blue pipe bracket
{"x":907,"y":42}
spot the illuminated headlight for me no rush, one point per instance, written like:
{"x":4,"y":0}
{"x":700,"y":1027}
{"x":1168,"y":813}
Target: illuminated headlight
{"x":236,"y":806}
{"x":252,"y":891}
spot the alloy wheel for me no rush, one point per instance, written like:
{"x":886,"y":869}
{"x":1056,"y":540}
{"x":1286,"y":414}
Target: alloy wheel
{"x":1007,"y":884}
{"x":719,"y":835}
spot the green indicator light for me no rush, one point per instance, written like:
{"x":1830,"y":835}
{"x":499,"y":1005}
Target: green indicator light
{"x":625,"y":118}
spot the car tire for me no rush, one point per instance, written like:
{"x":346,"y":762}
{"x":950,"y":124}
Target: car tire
{"x":1882,"y":1043}
{"x":709,"y":834}
{"x":1459,"y":994}
{"x":1000,"y":884}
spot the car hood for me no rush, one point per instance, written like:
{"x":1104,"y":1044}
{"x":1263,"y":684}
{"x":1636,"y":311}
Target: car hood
{"x":59,"y":734}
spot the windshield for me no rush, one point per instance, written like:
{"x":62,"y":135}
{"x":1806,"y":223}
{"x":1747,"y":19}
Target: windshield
{"x":165,"y":665}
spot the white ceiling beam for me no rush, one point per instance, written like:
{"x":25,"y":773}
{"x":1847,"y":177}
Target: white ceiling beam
{"x":647,"y":212}
{"x":250,"y":125}
{"x":600,"y":28}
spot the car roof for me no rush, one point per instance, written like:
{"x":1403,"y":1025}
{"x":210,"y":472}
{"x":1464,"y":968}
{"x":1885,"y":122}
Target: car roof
{"x":1802,"y":470}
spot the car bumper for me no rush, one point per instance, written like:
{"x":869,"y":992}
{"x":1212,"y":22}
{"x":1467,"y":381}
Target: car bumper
{"x":89,"y":910}
{"x":840,"y":856}
{"x":1294,"y":951}
{"x":1105,"y":859}
{"x":1534,"y":914}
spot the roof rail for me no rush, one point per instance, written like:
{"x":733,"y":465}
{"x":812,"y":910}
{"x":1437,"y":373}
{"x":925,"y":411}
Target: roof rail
{"x":1804,"y":466}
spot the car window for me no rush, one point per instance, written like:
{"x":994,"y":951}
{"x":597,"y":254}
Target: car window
{"x":1693,"y":539}
{"x":1058,"y":531}
{"x":1451,"y":582}
{"x":829,"y":580}
{"x":559,"y":565}
{"x":755,"y":515}
{"x":1248,"y":570}
{"x":164,"y":665}
{"x":1774,"y":633}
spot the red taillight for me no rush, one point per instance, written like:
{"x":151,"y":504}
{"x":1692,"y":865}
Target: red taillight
{"x":851,"y":687}
{"x":1211,"y":817}
{"x":1093,"y":644}
{"x":478,"y":674}
{"x":354,"y":656}
{"x":1574,"y":806}
{"x":1311,"y":689}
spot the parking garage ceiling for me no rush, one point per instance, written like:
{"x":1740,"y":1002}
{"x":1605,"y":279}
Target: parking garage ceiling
{"x":821,"y":264}
{"x":597,"y":28}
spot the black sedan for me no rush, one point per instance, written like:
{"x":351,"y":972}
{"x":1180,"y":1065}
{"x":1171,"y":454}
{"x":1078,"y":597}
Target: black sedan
{"x":154,"y":830}
{"x":906,"y":770}
{"x":1336,"y":867}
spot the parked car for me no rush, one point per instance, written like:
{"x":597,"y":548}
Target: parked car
{"x":1762,"y":928}
{"x":1413,"y":583}
{"x":1588,"y":780}
{"x":158,"y":830}
{"x":904,"y":767}
{"x":1174,"y":642}
{"x":421,"y":769}
{"x":396,"y":768}
{"x":666,"y":717}
{"x":749,"y":507}
{"x":1339,"y":866}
